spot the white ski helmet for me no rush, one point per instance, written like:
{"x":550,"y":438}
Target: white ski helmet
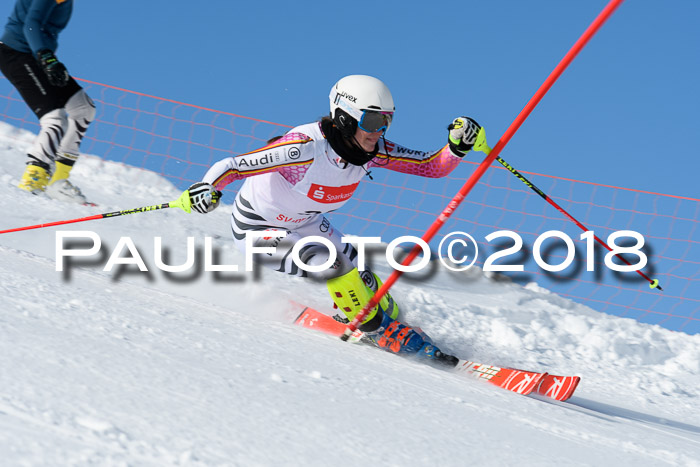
{"x":360,"y":100}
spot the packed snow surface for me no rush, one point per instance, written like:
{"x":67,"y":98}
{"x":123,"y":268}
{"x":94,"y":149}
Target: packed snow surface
{"x":126,"y":367}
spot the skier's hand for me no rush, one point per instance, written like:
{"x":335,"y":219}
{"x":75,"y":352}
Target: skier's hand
{"x":204,"y":198}
{"x":463,"y":133}
{"x":55,"y":71}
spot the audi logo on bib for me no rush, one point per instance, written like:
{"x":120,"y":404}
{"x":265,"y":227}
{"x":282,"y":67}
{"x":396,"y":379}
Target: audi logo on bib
{"x":331,"y":194}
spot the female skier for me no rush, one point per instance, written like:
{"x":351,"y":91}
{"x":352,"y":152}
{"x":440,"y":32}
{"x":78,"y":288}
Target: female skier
{"x":314,"y":169}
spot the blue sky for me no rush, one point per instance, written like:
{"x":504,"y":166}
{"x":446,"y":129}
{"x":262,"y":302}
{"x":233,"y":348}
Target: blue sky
{"x":625,"y":113}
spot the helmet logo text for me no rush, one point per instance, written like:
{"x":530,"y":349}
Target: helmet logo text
{"x":344,"y":94}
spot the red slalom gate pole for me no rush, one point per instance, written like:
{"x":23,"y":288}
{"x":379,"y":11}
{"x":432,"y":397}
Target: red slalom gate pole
{"x":481,"y":169}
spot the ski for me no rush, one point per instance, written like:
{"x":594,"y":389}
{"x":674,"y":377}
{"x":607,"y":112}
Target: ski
{"x":523,"y":382}
{"x":520,"y":381}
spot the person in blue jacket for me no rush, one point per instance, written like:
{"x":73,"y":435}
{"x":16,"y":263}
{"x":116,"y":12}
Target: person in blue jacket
{"x":28,"y":60}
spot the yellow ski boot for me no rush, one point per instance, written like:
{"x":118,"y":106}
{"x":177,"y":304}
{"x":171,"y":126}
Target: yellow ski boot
{"x":34,"y":179}
{"x":61,"y":173}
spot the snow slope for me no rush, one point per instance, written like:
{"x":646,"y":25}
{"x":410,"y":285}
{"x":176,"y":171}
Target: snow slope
{"x":200,"y":368}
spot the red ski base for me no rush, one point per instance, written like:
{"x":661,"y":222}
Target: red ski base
{"x":523,"y":382}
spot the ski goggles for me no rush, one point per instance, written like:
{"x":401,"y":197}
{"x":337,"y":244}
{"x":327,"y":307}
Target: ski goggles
{"x":373,"y":121}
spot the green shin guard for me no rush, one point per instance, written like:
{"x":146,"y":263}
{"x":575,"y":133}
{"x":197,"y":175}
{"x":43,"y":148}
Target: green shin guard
{"x":350,"y":293}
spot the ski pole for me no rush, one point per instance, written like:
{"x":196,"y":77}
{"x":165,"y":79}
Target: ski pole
{"x":653,"y":283}
{"x":481,"y":169}
{"x":183,"y":202}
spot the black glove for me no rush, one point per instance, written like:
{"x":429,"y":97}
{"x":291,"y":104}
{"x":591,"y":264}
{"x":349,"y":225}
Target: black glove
{"x":55,"y":71}
{"x":463,"y":132}
{"x":204,"y":198}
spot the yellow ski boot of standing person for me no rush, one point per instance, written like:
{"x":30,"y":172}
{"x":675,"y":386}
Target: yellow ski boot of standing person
{"x":34,"y":179}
